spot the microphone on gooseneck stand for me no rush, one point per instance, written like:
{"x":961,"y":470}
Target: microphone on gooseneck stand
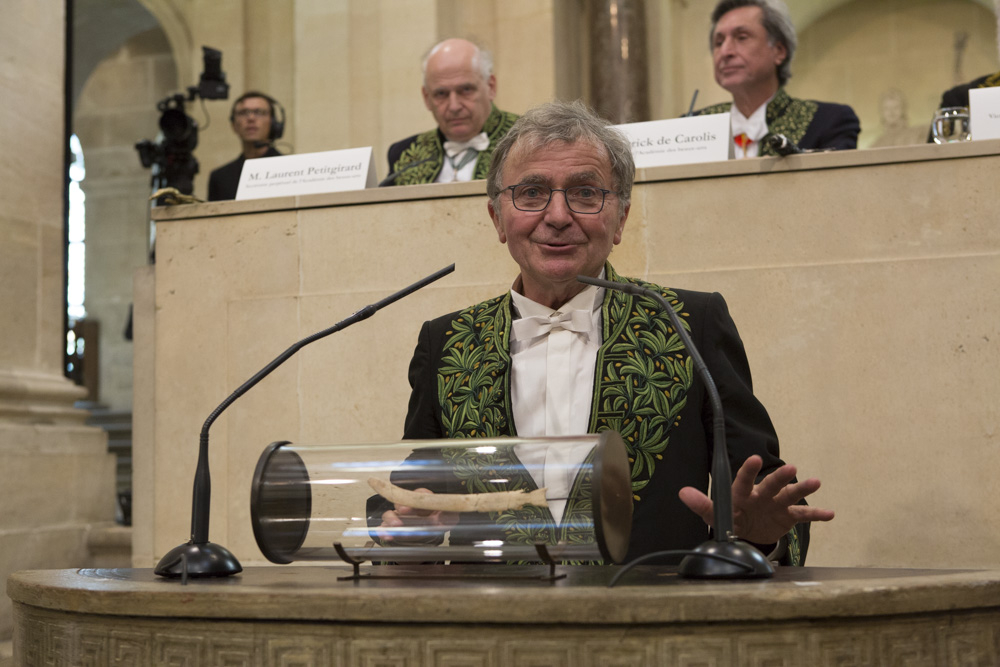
{"x":691,"y":108}
{"x":724,"y":556}
{"x":199,"y":557}
{"x":781,"y":145}
{"x":391,"y":178}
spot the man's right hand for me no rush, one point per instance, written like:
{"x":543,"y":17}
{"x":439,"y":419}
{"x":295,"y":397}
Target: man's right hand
{"x":406,"y":526}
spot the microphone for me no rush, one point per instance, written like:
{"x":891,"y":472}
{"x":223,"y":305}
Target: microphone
{"x":724,"y":556}
{"x":691,"y":108}
{"x":199,"y":557}
{"x":390,"y":179}
{"x":780,"y":144}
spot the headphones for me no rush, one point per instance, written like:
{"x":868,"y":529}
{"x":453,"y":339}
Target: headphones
{"x":277,"y":123}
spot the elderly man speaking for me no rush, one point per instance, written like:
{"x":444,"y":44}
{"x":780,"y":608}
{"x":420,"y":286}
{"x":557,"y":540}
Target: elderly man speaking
{"x":555,"y":357}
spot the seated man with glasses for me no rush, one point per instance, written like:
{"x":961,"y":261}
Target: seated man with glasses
{"x":255,"y":123}
{"x":554,"y":357}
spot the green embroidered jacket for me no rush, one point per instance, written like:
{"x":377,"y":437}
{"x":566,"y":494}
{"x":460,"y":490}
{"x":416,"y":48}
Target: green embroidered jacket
{"x":806,"y":123}
{"x":429,"y":146}
{"x":645,"y":388}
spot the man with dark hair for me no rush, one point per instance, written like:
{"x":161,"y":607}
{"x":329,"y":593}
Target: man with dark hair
{"x":752,"y":44}
{"x":255,"y":123}
{"x":553,"y":357}
{"x":459,"y":87}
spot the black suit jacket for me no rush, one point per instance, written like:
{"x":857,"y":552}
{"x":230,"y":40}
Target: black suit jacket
{"x":224,"y":181}
{"x":834,"y":127}
{"x":396,"y":150}
{"x":809,"y":124}
{"x":660,"y":520}
{"x":959,"y":95}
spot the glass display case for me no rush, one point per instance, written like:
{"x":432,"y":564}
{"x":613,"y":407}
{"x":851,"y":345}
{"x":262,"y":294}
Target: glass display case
{"x":469,"y":501}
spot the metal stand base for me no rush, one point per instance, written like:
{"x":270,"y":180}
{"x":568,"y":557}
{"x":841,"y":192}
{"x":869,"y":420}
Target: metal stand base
{"x":357,"y":575}
{"x":726,"y":560}
{"x":198,"y":560}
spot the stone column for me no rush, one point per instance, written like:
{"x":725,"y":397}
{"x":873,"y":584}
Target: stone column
{"x":56,"y":476}
{"x":619,"y":72}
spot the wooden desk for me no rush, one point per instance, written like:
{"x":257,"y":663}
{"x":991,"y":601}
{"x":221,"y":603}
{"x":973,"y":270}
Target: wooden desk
{"x":305,"y":616}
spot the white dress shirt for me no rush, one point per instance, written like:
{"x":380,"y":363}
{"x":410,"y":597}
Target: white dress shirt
{"x":754,"y":127}
{"x":552,"y":385}
{"x":463,"y":155}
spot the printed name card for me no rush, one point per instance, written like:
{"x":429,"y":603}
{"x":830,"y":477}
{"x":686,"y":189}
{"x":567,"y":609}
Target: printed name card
{"x":680,"y":140}
{"x":984,"y":113}
{"x":307,"y":174}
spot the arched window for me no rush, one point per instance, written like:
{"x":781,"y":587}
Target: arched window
{"x":75,"y":260}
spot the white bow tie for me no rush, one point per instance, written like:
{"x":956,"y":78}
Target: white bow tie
{"x":526,"y":328}
{"x":754,"y":127}
{"x":480,"y":142}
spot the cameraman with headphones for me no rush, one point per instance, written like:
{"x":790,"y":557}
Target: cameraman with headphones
{"x":255,"y":121}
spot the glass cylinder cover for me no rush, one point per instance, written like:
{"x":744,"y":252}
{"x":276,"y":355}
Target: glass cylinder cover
{"x":470,"y":500}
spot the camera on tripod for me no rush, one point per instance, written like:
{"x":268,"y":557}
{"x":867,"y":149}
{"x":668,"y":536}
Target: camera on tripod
{"x":172,"y":159}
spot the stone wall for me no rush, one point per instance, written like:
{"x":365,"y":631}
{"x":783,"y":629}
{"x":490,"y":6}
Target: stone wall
{"x":863,"y":49}
{"x":56,"y":477}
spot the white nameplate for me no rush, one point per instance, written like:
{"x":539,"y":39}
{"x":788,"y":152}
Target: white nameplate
{"x":984,"y":113}
{"x":307,"y":174}
{"x":680,"y":140}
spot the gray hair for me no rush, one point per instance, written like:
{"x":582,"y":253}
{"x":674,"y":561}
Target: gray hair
{"x":483,"y":60}
{"x":567,"y":122}
{"x":776,"y":22}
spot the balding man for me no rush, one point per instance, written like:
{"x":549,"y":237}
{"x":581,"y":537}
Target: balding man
{"x":753,"y":42}
{"x":458,"y":89}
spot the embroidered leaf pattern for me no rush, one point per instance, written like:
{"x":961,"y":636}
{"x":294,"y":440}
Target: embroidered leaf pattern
{"x":785,"y":115}
{"x":472,"y":376}
{"x":501,"y":470}
{"x":644,"y":377}
{"x":794,"y":547}
{"x":427,"y":146}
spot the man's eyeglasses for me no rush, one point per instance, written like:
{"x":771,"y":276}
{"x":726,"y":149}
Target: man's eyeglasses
{"x":245,"y":113}
{"x":530,"y":197}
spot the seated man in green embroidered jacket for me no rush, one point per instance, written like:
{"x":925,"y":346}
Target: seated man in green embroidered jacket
{"x":753,"y":42}
{"x":459,"y":87}
{"x":554,"y":357}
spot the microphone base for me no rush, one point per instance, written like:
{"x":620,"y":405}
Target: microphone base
{"x":202,"y":560}
{"x":701,"y":564}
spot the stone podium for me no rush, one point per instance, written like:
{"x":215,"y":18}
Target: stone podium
{"x":496,"y":615}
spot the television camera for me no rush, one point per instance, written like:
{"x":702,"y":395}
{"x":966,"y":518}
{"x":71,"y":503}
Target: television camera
{"x":171,"y":158}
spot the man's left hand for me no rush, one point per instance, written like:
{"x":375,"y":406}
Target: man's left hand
{"x":765,"y":511}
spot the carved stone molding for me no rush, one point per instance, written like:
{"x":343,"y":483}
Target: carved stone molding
{"x":47,"y":638}
{"x":306,"y":616}
{"x":33,"y":397}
